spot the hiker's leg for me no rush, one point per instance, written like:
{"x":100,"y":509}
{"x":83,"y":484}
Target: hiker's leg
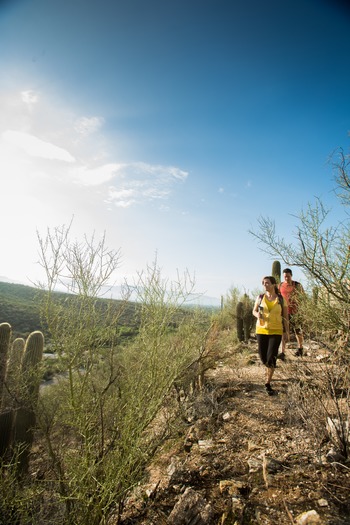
{"x":272,"y":351}
{"x":285,"y":338}
{"x":284,"y":342}
{"x":283,"y":345}
{"x":300,"y":337}
{"x":263,"y":344}
{"x":274,"y":342}
{"x":269,"y":374}
{"x":300,"y":350}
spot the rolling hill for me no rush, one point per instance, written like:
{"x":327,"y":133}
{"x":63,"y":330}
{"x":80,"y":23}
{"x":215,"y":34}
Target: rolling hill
{"x":19,"y":308}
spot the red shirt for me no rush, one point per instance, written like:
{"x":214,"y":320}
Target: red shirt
{"x":289,"y":293}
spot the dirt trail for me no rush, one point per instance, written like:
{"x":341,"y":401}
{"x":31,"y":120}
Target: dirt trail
{"x":246,"y":455}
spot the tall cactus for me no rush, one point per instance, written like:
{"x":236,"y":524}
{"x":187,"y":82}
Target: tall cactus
{"x":244,"y":318}
{"x":30,"y":381}
{"x":17,"y":421}
{"x":239,"y":321}
{"x":32,"y":356}
{"x":11,"y":390}
{"x":248,"y":317}
{"x":276,"y":271}
{"x":5,"y":335}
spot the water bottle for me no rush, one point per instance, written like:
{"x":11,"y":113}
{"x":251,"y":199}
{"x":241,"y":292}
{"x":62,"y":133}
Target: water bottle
{"x":261,"y":315}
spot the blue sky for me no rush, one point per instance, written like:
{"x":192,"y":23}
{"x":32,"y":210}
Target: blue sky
{"x":169,"y":125}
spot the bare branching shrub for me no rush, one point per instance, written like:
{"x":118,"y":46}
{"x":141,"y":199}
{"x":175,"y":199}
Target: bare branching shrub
{"x":100,"y":422}
{"x":319,"y":398}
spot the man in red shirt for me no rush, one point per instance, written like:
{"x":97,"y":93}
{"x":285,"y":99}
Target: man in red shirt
{"x":290,"y":289}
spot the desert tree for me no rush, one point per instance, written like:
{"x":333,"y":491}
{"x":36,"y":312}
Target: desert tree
{"x":104,"y":417}
{"x":321,"y":249}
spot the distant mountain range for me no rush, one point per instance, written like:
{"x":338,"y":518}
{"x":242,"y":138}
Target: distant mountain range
{"x":19,"y":304}
{"x":116,"y":292}
{"x":7,"y":280}
{"x":19,"y":307}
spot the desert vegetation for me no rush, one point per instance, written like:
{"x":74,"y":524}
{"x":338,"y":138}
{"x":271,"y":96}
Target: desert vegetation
{"x":95,"y":425}
{"x":137,"y":387}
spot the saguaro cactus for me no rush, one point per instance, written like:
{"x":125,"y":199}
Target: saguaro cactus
{"x":32,"y":356}
{"x":29,"y":390}
{"x":276,"y":271}
{"x":5,"y":335}
{"x":244,"y":318}
{"x":248,"y":317}
{"x":11,"y":390}
{"x":239,"y":321}
{"x":17,"y":421}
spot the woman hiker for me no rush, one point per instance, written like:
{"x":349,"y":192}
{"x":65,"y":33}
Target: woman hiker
{"x":271,"y":312}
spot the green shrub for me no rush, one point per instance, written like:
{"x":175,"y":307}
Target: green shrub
{"x":101,"y":422}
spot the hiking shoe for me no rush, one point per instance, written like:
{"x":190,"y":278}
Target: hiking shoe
{"x":269,"y":389}
{"x":282,"y":356}
{"x":299,"y":353}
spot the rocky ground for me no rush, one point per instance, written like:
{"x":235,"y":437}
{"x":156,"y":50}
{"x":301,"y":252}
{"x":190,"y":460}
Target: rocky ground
{"x":243,"y":457}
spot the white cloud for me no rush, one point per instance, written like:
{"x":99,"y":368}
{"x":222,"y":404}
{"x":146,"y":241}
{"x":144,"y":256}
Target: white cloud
{"x":139,"y":181}
{"x":36,"y":147}
{"x":130,"y":183}
{"x":30,"y":97}
{"x":122,"y":198}
{"x":122,"y":194}
{"x":95,"y":176}
{"x":176,"y":172}
{"x":88,"y":125}
{"x":30,"y":151}
{"x":161,"y":171}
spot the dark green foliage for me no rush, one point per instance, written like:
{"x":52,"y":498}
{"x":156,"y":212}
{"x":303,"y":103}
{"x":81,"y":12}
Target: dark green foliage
{"x":6,"y":424}
{"x":276,"y":271}
{"x":239,"y":321}
{"x":244,"y":318}
{"x":248,"y":318}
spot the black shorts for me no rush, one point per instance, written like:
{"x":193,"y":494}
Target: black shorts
{"x":268,"y":348}
{"x":294,"y":324}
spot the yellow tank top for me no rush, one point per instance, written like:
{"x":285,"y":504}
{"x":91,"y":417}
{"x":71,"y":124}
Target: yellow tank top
{"x":272,"y":318}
